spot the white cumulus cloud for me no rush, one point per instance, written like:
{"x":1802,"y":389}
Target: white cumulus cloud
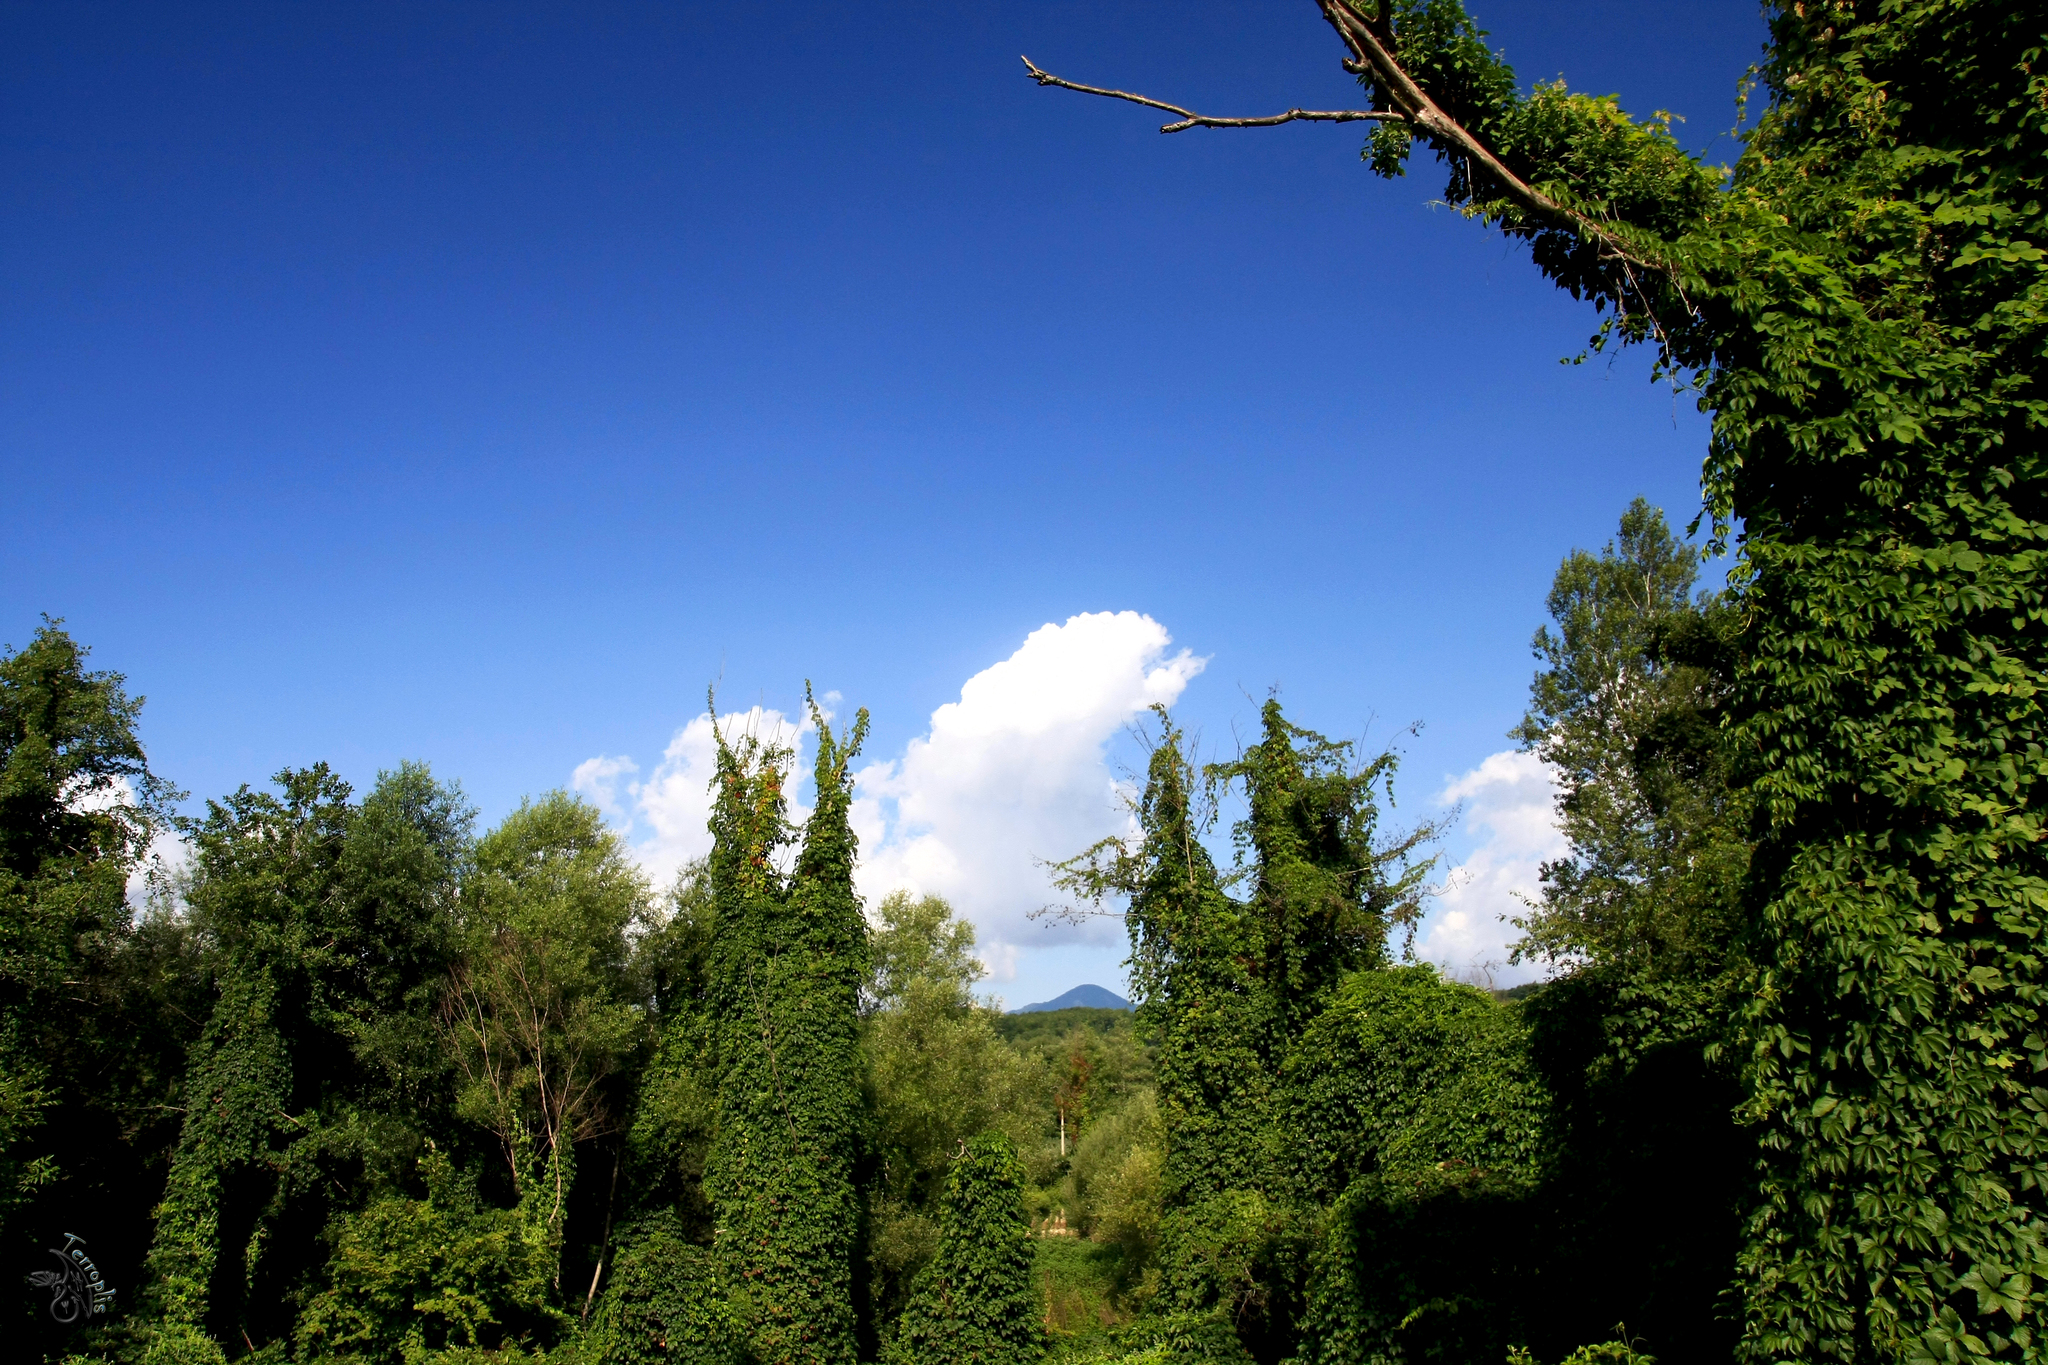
{"x":1015,"y":771}
{"x":1510,"y":800}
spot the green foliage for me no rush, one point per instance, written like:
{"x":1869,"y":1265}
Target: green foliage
{"x":539,"y":1014}
{"x":1626,"y":712}
{"x":267,"y":888}
{"x":1493,"y":1177}
{"x":1440,"y":1263}
{"x":675,"y":1107}
{"x":75,"y":788}
{"x":1406,"y":1071}
{"x":1088,"y":1093}
{"x":937,"y":1073}
{"x":1167,"y":1339}
{"x":409,"y":1276}
{"x":1884,"y":337}
{"x":1033,"y":1030}
{"x":1227,"y":988}
{"x":788,"y":964}
{"x":973,"y":1304}
{"x":664,"y":1304}
{"x":316,"y":1082}
{"x":1863,"y":305}
{"x":1642,"y":922}
{"x":1617,"y":1352}
{"x":920,"y":948}
{"x":1081,"y":1288}
{"x":1116,"y":1180}
{"x":78,"y":805}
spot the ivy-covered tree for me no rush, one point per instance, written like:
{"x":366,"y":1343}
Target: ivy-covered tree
{"x":974,"y":1303}
{"x":1227,"y":988}
{"x":787,"y":966}
{"x":1423,"y":1135}
{"x":1862,"y":304}
{"x":267,"y":871}
{"x":675,"y":1106}
{"x":663,"y":1305}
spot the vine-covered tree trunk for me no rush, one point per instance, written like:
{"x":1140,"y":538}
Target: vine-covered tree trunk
{"x":328,"y":929}
{"x":1227,"y":988}
{"x":1199,"y":997}
{"x":1879,"y":429}
{"x":788,"y":960}
{"x":1864,"y":305}
{"x":239,"y":1090}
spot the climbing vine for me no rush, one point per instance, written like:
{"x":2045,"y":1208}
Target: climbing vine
{"x":974,"y":1303}
{"x":1228,"y":987}
{"x":1862,"y":305}
{"x":789,"y":957}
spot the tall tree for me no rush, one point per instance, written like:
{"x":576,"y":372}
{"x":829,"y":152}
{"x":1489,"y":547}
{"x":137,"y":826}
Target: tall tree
{"x":788,"y":964}
{"x":675,"y":1106}
{"x":938,"y":1073}
{"x":1639,"y":926}
{"x":539,"y":1011}
{"x":78,"y":805}
{"x":329,"y":928}
{"x":1863,"y":304}
{"x":1626,"y":710}
{"x":267,"y":877}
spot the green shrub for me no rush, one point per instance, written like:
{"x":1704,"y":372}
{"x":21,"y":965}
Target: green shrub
{"x":1170,"y":1339}
{"x":662,"y":1304}
{"x":1437,"y":1265}
{"x":411,"y":1276}
{"x":1077,"y":1282}
{"x":973,"y":1302}
{"x":1406,"y":1070}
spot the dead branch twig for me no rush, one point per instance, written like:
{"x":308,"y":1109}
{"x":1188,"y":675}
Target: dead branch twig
{"x":1190,"y":119}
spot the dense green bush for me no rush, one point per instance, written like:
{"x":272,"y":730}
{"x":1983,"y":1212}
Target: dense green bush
{"x":409,"y":1276}
{"x":663,"y":1304}
{"x":1436,"y":1264}
{"x":1164,"y":1339}
{"x":973,"y":1304}
{"x":1405,"y":1071}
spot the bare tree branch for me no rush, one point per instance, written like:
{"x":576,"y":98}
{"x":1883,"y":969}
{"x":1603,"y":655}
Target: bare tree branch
{"x":1190,"y":119}
{"x":1372,"y":54}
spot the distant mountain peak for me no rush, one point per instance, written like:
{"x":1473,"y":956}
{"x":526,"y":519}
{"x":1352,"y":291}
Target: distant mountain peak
{"x":1081,"y":997}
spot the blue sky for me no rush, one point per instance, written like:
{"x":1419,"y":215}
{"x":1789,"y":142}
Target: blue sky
{"x":477,"y":383}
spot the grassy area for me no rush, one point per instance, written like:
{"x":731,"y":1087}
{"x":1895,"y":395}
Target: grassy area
{"x":1079,"y":1285}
